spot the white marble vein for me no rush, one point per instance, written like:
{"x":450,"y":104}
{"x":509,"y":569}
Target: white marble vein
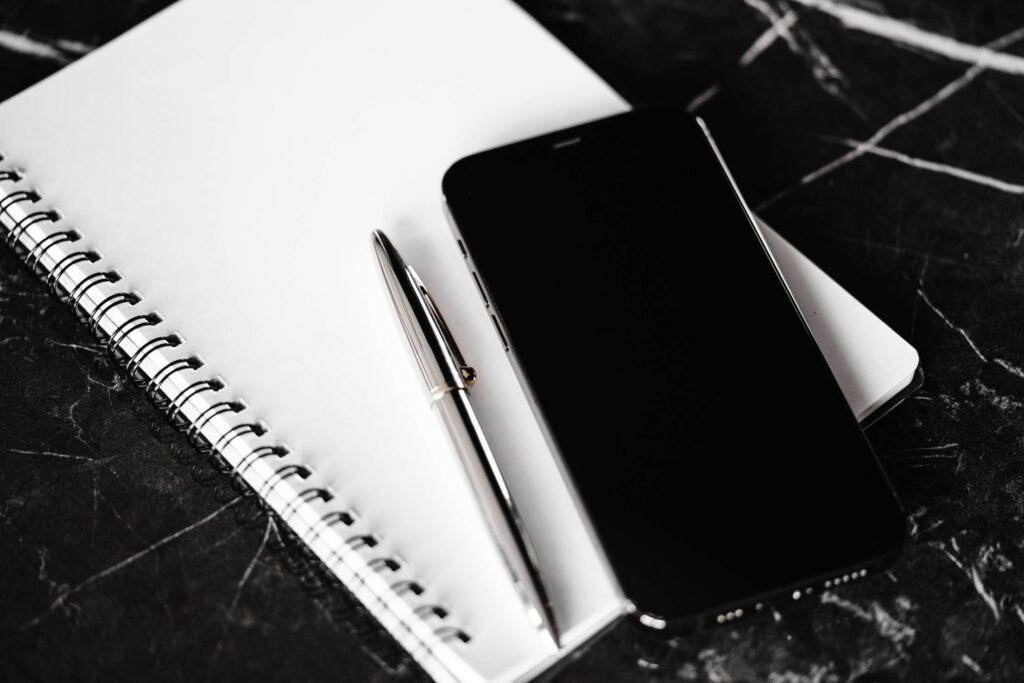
{"x":91,"y":348}
{"x":825,"y":72}
{"x":48,"y":454}
{"x":67,"y":592}
{"x":1009,"y":367}
{"x":904,"y":33}
{"x":912,"y":114}
{"x":74,"y":46}
{"x":935,"y":167}
{"x":778,"y":27}
{"x":248,"y":570}
{"x":26,"y":45}
{"x":951,"y":325}
{"x":985,"y":594}
{"x":975,"y":577}
{"x":241,"y":585}
{"x":888,"y":626}
{"x":972,"y":665}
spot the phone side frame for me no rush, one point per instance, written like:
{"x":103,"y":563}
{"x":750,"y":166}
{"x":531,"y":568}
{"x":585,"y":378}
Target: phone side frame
{"x":527,"y":389}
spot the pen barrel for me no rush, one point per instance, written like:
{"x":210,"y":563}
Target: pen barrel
{"x":447,"y":375}
{"x":510,"y":534}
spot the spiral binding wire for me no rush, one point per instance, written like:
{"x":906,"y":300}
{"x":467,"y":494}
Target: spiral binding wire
{"x":194,"y":403}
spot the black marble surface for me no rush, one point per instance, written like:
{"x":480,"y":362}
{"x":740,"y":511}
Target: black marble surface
{"x":892,"y":152}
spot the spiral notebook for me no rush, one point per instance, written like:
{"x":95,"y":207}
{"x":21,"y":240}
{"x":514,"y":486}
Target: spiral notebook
{"x":202,"y":190}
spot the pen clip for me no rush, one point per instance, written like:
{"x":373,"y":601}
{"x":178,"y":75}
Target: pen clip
{"x":466,"y":371}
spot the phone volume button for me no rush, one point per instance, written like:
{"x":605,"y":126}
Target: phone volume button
{"x":501,"y":332}
{"x":480,"y":288}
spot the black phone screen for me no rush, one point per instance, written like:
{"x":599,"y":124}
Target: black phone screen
{"x":709,"y":443}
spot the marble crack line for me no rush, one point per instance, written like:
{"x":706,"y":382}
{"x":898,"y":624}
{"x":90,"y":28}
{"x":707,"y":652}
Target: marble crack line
{"x":952,"y":558}
{"x":97,"y":348}
{"x":1020,"y":233}
{"x":924,"y":164}
{"x":912,"y":114}
{"x":903,"y":33}
{"x":49,"y":454}
{"x":901,"y":249}
{"x":95,"y":507}
{"x":65,"y":594}
{"x":241,"y":585}
{"x":32,"y":47}
{"x":1000,"y":97}
{"x":928,"y":449}
{"x":113,"y":510}
{"x":763,"y":42}
{"x":816,"y":673}
{"x":1009,"y":367}
{"x":985,"y":594}
{"x":1006,"y":365}
{"x":914,"y":526}
{"x":248,"y":570}
{"x":779,"y":28}
{"x":951,"y":325}
{"x":52,"y":343}
{"x":825,"y":72}
{"x":972,"y":665}
{"x":888,"y":626}
{"x":91,"y":465}
{"x":74,"y":46}
{"x":976,"y":581}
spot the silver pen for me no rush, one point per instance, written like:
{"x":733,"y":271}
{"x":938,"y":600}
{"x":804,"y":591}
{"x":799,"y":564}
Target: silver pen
{"x":448,"y":378}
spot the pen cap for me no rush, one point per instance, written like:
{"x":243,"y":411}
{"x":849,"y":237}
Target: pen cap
{"x":432,"y":345}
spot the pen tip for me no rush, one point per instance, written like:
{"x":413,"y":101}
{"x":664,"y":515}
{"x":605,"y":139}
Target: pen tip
{"x":386,"y":251}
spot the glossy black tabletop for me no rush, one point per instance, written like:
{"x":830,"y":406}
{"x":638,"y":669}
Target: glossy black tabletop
{"x":885,"y":139}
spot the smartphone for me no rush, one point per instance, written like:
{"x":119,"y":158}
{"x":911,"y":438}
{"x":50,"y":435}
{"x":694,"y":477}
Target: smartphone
{"x":703,"y":432}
